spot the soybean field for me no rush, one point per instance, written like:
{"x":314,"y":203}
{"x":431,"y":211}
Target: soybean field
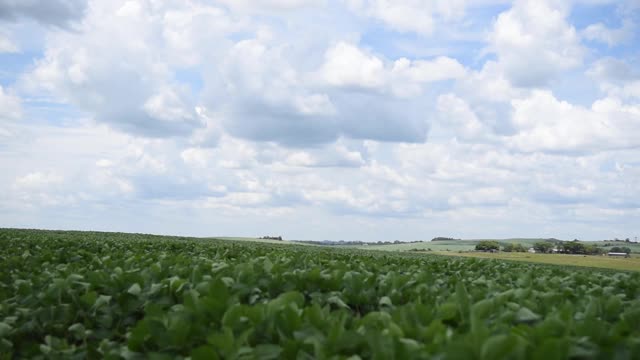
{"x":133,"y":296}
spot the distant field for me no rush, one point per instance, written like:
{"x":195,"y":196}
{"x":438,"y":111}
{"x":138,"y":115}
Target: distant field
{"x":448,"y":245}
{"x":270,"y":241}
{"x":632,"y":263}
{"x":434,"y":246}
{"x":464,"y":247}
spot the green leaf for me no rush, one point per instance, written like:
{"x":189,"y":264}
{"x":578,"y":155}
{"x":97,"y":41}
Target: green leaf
{"x":524,"y":315}
{"x":204,"y":352}
{"x":385,"y":301}
{"x":447,"y":311}
{"x":4,"y":329}
{"x":77,"y":330}
{"x":500,"y":347}
{"x":134,"y":290}
{"x":462,"y":296}
{"x":267,"y":352}
{"x":335,"y":300}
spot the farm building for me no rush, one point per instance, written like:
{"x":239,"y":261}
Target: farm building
{"x":618,"y":254}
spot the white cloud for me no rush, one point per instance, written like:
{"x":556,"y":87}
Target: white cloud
{"x":612,"y":37}
{"x":438,"y":69}
{"x":535,"y":43}
{"x":270,"y":5}
{"x":50,"y":12}
{"x":347,"y":65}
{"x":10,"y":105}
{"x":616,"y":78}
{"x":37,"y":180}
{"x":117,"y":65}
{"x":455,"y":113}
{"x":417,"y":16}
{"x":195,"y":157}
{"x":7,"y":45}
{"x":547,"y":124}
{"x":283,"y":116}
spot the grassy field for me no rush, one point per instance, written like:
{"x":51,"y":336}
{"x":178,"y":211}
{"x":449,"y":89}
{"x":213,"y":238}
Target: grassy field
{"x":632,"y":263}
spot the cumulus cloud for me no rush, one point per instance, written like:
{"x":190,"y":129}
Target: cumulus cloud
{"x":50,"y":12}
{"x":352,"y":93}
{"x":547,"y":124}
{"x":10,"y":105}
{"x":270,"y":5}
{"x":534,"y":42}
{"x":346,"y":65}
{"x":611,"y":37}
{"x":7,"y":45}
{"x":616,"y":77}
{"x":409,"y":15}
{"x":37,"y":180}
{"x":117,"y":66}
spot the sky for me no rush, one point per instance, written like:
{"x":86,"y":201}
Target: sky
{"x":322,"y":119}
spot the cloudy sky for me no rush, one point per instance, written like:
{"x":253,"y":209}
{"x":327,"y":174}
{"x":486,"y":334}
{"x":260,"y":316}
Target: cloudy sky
{"x":322,"y":119}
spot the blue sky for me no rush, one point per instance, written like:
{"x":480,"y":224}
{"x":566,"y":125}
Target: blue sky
{"x":318,"y":119}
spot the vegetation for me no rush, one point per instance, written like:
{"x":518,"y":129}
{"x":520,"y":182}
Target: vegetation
{"x":97,"y":295}
{"x":488,"y":245}
{"x":543,"y":247}
{"x":631,"y":263}
{"x":511,"y":247}
{"x":620,"y":249}
{"x":441,"y":238}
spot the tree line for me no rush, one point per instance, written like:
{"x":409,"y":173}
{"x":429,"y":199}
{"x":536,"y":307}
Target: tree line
{"x":545,"y":247}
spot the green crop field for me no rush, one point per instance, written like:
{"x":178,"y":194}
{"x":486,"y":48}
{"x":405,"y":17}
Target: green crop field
{"x":606,"y":262}
{"x":133,"y":296}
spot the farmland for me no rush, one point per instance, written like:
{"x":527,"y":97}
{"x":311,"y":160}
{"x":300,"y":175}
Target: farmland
{"x":632,"y":263}
{"x":134,"y":296}
{"x":448,"y":245}
{"x":465,"y":248}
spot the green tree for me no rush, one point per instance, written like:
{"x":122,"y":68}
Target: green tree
{"x":543,"y":247}
{"x":488,"y":245}
{"x":621,"y":249}
{"x":573,"y":247}
{"x":519,"y":248}
{"x":593,"y":250}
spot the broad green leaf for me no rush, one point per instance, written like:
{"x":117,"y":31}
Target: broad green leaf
{"x":134,"y":290}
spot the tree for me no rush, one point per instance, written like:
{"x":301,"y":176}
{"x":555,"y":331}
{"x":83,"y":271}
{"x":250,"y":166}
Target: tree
{"x":542,"y":247}
{"x":573,"y":247}
{"x":620,"y":249}
{"x":511,"y":247}
{"x":488,"y":245}
{"x":519,"y":248}
{"x":593,"y":250}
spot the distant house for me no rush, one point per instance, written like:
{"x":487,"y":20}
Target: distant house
{"x":618,"y":254}
{"x":531,"y":250}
